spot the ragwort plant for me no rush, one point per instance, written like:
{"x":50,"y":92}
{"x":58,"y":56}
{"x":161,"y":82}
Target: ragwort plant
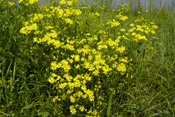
{"x":92,"y":58}
{"x":22,"y":78}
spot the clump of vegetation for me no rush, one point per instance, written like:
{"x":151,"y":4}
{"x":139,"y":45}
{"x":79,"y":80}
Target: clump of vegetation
{"x":72,"y":59}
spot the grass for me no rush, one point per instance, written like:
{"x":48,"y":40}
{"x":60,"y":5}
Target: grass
{"x":26,"y":65}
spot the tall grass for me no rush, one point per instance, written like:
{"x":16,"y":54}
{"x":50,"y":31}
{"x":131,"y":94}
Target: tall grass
{"x":26,"y":65}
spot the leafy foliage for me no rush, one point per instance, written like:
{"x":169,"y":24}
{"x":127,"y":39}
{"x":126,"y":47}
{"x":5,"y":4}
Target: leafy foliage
{"x":71,"y":59}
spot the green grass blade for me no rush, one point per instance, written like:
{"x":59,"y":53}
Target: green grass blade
{"x":8,"y":69}
{"x":12,"y":79}
{"x":109,"y":105}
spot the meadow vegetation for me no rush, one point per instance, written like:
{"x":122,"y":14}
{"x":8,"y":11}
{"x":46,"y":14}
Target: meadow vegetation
{"x":71,"y":59}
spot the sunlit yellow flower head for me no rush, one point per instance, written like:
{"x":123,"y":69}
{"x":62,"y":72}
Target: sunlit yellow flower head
{"x":32,"y":1}
{"x":72,"y":110}
{"x":20,"y":1}
{"x":11,"y":3}
{"x":121,"y":67}
{"x":62,"y":2}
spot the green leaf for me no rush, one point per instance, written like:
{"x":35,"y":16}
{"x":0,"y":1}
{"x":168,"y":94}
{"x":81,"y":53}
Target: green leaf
{"x":8,"y":70}
{"x":109,"y":105}
{"x":43,"y":114}
{"x":12,"y":79}
{"x":27,"y":106}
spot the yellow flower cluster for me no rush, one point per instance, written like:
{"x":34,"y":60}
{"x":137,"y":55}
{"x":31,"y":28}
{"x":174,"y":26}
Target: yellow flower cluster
{"x":84,"y":56}
{"x":140,"y":29}
{"x":30,"y":1}
{"x":28,"y":28}
{"x":113,"y":23}
{"x":11,"y":3}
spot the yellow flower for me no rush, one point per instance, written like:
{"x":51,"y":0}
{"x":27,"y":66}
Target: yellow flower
{"x":53,"y":65}
{"x":90,"y":57}
{"x":77,"y":11}
{"x":72,"y":110}
{"x":71,"y":47}
{"x":53,"y":75}
{"x":89,"y":92}
{"x":20,"y":1}
{"x":87,"y":77}
{"x":55,"y":98}
{"x":121,"y":49}
{"x":96,"y":72}
{"x":72,"y":99}
{"x":77,"y":83}
{"x":94,"y":112}
{"x":86,"y":65}
{"x":77,"y":66}
{"x":84,"y":96}
{"x":83,"y":88}
{"x":123,"y":18}
{"x":51,"y":80}
{"x":115,"y":23}
{"x":81,"y":108}
{"x":91,"y":68}
{"x":88,"y":34}
{"x":66,"y":68}
{"x":121,"y":67}
{"x":97,"y":14}
{"x":106,"y":69}
{"x":77,"y":57}
{"x":62,"y":2}
{"x":122,"y":30}
{"x":34,"y":26}
{"x":131,"y":30}
{"x":155,"y":27}
{"x":35,"y":39}
{"x":153,"y":32}
{"x":60,"y":12}
{"x":67,"y":20}
{"x":62,"y":85}
{"x":57,"y":43}
{"x":58,"y":78}
{"x":124,"y":60}
{"x":68,"y":77}
{"x":69,"y":3}
{"x":79,"y":94}
{"x":71,"y":85}
{"x":11,"y":3}
{"x":32,"y":1}
{"x":91,"y":98}
{"x":133,"y":34}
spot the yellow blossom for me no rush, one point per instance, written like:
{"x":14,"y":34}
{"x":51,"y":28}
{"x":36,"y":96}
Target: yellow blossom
{"x":11,"y":3}
{"x":81,"y":108}
{"x":69,"y":3}
{"x":123,"y":18}
{"x":72,"y":99}
{"x":77,"y":57}
{"x":121,"y":49}
{"x":121,"y":67}
{"x":62,"y":2}
{"x":51,"y":80}
{"x":54,"y":65}
{"x":72,"y":110}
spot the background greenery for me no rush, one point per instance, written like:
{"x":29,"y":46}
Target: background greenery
{"x":25,"y":91}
